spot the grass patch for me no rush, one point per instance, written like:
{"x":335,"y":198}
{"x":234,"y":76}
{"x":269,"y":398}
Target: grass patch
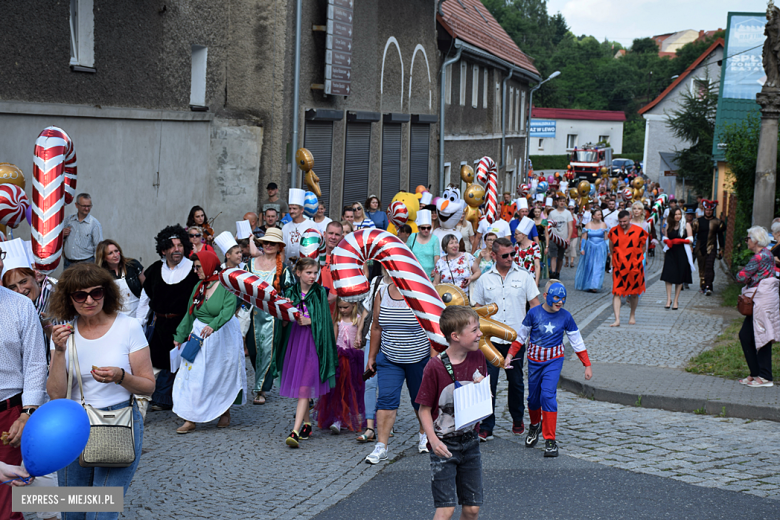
{"x":726,"y":358}
{"x":730,"y":295}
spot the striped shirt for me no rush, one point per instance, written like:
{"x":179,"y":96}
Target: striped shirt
{"x":403,"y":339}
{"x":83,"y":239}
{"x":367,"y":223}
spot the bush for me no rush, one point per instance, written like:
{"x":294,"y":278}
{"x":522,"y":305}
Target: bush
{"x":550,"y":162}
{"x":636,"y":157}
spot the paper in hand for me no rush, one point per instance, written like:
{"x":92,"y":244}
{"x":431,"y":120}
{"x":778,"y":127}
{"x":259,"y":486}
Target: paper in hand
{"x":243,"y":229}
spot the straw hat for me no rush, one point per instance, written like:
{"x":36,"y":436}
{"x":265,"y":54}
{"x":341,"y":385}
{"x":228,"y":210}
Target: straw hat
{"x":273,"y":235}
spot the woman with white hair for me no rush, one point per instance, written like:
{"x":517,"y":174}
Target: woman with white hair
{"x":776,"y":236}
{"x":761,"y":328}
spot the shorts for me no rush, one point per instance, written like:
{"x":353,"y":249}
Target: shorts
{"x":458,"y":480}
{"x":390,"y":381}
{"x":556,"y":251}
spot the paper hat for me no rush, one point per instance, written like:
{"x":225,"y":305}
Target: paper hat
{"x":15,"y":255}
{"x":548,"y":202}
{"x":425,"y":198}
{"x":571,"y":203}
{"x":424,"y":217}
{"x":243,"y":229}
{"x":296,"y":196}
{"x":540,"y":197}
{"x":225,"y":241}
{"x":522,"y":203}
{"x":525,"y":226}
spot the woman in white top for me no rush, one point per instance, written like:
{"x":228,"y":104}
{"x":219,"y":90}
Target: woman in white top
{"x":466,"y":231}
{"x":320,"y":220}
{"x":455,"y":267}
{"x":128,"y":273}
{"x":361,"y":220}
{"x":113,"y":356}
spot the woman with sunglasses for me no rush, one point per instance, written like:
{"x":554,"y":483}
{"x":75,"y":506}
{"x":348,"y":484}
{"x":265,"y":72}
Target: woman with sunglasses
{"x":361,"y":220}
{"x":269,"y":267}
{"x":128,"y":273}
{"x":111,"y":348}
{"x":196,"y":239}
{"x":424,"y":244}
{"x":456,"y":267}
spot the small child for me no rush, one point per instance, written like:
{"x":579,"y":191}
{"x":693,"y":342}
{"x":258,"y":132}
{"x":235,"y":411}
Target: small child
{"x":306,"y":351}
{"x":344,"y":405}
{"x":542,"y":330}
{"x":456,"y":463}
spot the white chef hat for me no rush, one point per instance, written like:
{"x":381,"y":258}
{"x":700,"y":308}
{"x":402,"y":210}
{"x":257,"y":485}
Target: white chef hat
{"x":540,"y":197}
{"x":548,"y":202}
{"x":522,"y":203}
{"x":225,"y":241}
{"x":296,"y":196}
{"x":424,"y":217}
{"x":525,"y":226}
{"x":15,"y":255}
{"x":425,"y":198}
{"x":571,"y":203}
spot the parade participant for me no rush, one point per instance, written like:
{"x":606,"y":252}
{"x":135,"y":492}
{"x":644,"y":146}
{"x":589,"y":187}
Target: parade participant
{"x":348,"y":214}
{"x":292,"y":231}
{"x":466,"y":231}
{"x":543,"y":233}
{"x":542,"y":334}
{"x":709,"y":243}
{"x":690,"y":215}
{"x":305,"y":351}
{"x":22,"y":377}
{"x":404,"y":232}
{"x":205,"y":388}
{"x":320,"y":220}
{"x":128,"y":274}
{"x":424,"y":244}
{"x":611,"y":214}
{"x":346,"y":227}
{"x":627,"y":249}
{"x":252,"y":217}
{"x":273,"y":201}
{"x":82,"y":233}
{"x":522,"y":211}
{"x":231,"y":251}
{"x":196,"y":217}
{"x":375,"y":213}
{"x":271,"y":220}
{"x":484,"y":256}
{"x":455,"y":267}
{"x":529,"y":255}
{"x":16,"y":475}
{"x":269,"y":267}
{"x":677,"y":269}
{"x":449,"y":209}
{"x":343,"y":406}
{"x":509,"y":287}
{"x":115,"y":348}
{"x":762,"y":327}
{"x":499,"y":227}
{"x":572,"y":252}
{"x":360,"y":219}
{"x":165,"y":298}
{"x":699,"y":212}
{"x":561,"y":224}
{"x":594,"y":251}
{"x":507,"y":208}
{"x":456,"y":464}
{"x":197,"y":237}
{"x":638,"y":218}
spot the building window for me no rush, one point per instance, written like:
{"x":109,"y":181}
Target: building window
{"x":511,"y":116}
{"x":82,"y":34}
{"x":475,"y":87}
{"x":571,"y":140}
{"x":419,"y":153}
{"x":447,"y":172}
{"x":518,"y":108}
{"x":540,"y":146}
{"x":463,"y":79}
{"x":391,"y":160}
{"x":318,"y":139}
{"x":357,"y":162}
{"x":198,"y":76}
{"x":522,"y":111}
{"x":699,"y":87}
{"x":448,"y":85}
{"x":484,"y":88}
{"x":604,"y":139}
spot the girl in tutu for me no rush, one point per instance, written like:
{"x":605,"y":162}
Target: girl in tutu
{"x":306,"y":350}
{"x":344,"y":406}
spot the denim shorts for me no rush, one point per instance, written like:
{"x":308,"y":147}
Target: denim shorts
{"x":458,"y":479}
{"x":390,"y":380}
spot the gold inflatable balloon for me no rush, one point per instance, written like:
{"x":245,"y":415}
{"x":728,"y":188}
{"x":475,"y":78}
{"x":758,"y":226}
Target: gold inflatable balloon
{"x":614,"y":183}
{"x":639,"y":183}
{"x":11,"y":174}
{"x":583,"y":187}
{"x":638,"y":193}
{"x":474,"y":196}
{"x":467,"y":174}
{"x":472,"y":215}
{"x":573,"y":193}
{"x":604,"y":170}
{"x":598,"y":182}
{"x":305,"y":161}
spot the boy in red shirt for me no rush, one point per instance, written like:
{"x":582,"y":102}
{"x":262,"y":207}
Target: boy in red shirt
{"x":456,"y":463}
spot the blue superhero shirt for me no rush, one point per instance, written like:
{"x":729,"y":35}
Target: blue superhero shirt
{"x":546,"y":329}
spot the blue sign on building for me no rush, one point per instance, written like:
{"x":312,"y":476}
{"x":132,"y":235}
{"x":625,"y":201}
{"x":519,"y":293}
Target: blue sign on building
{"x":542,"y":128}
{"x":743,"y":71}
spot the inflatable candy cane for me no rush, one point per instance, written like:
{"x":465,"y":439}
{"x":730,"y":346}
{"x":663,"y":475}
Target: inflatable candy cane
{"x":397,"y":214}
{"x":254,"y":291}
{"x":54,"y":185}
{"x":346,"y":267}
{"x":313,"y":246}
{"x":487,"y":175}
{"x":13,"y":205}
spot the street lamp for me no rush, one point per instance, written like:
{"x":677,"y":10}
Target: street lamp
{"x":530,"y":115}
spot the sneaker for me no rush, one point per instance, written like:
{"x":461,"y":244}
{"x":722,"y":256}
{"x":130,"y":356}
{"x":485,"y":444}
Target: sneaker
{"x":518,"y":429}
{"x":533,"y":435}
{"x":485,"y":436}
{"x":335,"y":428}
{"x":550,"y":448}
{"x":378,"y":455}
{"x":708,"y":292}
{"x":422,"y":446}
{"x":292,"y":439}
{"x":305,"y":432}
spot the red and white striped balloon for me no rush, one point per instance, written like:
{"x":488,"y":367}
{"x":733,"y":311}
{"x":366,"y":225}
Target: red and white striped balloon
{"x":312,"y":245}
{"x":13,"y":205}
{"x":346,"y":266}
{"x":398,"y":214}
{"x":255,"y":291}
{"x":487,"y":175}
{"x":54,"y":185}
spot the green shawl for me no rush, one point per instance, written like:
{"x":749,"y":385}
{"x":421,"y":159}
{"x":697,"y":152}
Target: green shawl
{"x":321,"y":327}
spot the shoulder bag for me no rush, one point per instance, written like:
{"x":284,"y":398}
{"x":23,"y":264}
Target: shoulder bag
{"x":745,"y":304}
{"x":111,"y":441}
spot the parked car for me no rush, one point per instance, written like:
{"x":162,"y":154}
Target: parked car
{"x":625,"y":164}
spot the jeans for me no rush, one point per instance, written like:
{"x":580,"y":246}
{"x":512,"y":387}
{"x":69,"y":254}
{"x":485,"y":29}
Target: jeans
{"x":458,"y":478}
{"x":163,"y":390}
{"x":74,"y":475}
{"x":758,"y":361}
{"x":369,"y":396}
{"x":68,"y":263}
{"x":391,"y":378}
{"x":516,"y":387}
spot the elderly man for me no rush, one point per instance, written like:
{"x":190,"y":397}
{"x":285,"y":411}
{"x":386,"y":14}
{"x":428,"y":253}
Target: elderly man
{"x":509,"y":287}
{"x":627,"y":244}
{"x":22,"y":377}
{"x":251,"y":216}
{"x":708,"y":231}
{"x":292,"y":231}
{"x":82,"y":233}
{"x":166,"y":291}
{"x":522,"y":211}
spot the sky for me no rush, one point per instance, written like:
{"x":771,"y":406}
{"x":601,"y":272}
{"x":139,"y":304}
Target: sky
{"x":624,"y":20}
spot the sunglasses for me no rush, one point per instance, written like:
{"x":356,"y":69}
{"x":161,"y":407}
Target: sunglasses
{"x":81,"y":296}
{"x":264,"y":244}
{"x":512,"y":254}
{"x":196,"y":236}
{"x":197,"y":267}
{"x":747,"y":238}
{"x":424,"y":228}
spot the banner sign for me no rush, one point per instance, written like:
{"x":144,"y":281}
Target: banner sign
{"x":542,"y":128}
{"x":743,"y":70}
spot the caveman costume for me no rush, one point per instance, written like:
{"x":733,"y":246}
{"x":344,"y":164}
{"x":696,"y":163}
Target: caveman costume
{"x":628,"y":274}
{"x":709,"y":238}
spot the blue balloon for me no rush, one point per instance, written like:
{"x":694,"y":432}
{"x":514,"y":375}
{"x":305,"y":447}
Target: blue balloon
{"x":310,"y":204}
{"x":542,"y":187}
{"x":592,"y":190}
{"x":54,"y":436}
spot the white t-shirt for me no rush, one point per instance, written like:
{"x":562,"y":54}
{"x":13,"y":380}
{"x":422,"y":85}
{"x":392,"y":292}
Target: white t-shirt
{"x":562,"y":218}
{"x":500,"y":227}
{"x":611,"y":218}
{"x":112,"y":350}
{"x":291,"y":234}
{"x":321,"y":226}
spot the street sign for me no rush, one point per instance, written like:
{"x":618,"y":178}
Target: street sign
{"x":342,"y":3}
{"x":337,"y":88}
{"x":342,"y":59}
{"x":337,"y":43}
{"x":338,"y":47}
{"x":338,"y":73}
{"x":340,"y":28}
{"x":339,"y":14}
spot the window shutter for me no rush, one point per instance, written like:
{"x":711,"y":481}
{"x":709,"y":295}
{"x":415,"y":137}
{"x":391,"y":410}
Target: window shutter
{"x":418,"y":156}
{"x":391,"y":161}
{"x":318,"y":139}
{"x":357,"y":162}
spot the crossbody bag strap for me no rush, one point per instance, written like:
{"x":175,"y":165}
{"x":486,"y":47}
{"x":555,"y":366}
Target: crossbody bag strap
{"x":448,"y":365}
{"x":74,"y":367}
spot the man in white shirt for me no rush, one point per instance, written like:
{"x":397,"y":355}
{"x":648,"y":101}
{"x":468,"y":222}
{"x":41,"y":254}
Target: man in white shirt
{"x":500,"y":227}
{"x":509,"y":287}
{"x":562,"y":225}
{"x":292,"y":231}
{"x":611,"y":214}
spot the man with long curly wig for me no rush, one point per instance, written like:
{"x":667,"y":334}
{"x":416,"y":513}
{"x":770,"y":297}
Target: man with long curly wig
{"x":164,"y":300}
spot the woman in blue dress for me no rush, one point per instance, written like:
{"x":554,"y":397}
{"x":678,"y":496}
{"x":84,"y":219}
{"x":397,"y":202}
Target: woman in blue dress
{"x":594,"y":248}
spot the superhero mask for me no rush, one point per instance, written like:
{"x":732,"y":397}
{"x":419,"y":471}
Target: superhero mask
{"x":556,"y":294}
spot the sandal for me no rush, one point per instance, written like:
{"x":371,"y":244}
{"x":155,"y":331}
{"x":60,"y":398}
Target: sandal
{"x":259,"y":399}
{"x":759,"y":382}
{"x":365,"y":438}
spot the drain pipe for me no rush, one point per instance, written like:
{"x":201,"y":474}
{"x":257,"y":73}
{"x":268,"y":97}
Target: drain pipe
{"x":297,"y":88}
{"x":441,"y":114}
{"x":503,"y":119}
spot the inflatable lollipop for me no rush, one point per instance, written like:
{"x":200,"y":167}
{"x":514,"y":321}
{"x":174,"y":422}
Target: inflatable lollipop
{"x":313,"y":246}
{"x":11,"y":174}
{"x":310,"y":204}
{"x":13,"y":205}
{"x":254,"y":291}
{"x":54,"y":185}
{"x":627,"y":193}
{"x":346,"y":268}
{"x":397,"y":214}
{"x":487,"y":175}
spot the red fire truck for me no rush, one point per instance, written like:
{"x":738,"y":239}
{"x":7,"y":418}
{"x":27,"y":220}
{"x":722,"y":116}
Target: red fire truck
{"x":588,"y":161}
